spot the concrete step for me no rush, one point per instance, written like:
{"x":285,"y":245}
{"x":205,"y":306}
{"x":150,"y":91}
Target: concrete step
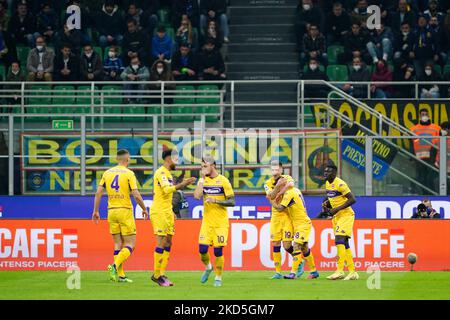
{"x":262,"y":66}
{"x":262,"y":57}
{"x":267,"y":3}
{"x":266,"y":96}
{"x":263,"y":75}
{"x":261,"y":29}
{"x":267,"y":38}
{"x":247,"y":11}
{"x":265,"y":87}
{"x":257,"y":18}
{"x":261,"y":47}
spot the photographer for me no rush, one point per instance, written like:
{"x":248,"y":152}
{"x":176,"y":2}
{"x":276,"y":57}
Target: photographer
{"x":426,"y":211}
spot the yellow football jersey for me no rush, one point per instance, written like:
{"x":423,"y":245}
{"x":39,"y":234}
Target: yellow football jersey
{"x":218,"y":188}
{"x":163,"y":190}
{"x":293,"y":201}
{"x":336,"y":192}
{"x":119,"y":181}
{"x":268,"y":187}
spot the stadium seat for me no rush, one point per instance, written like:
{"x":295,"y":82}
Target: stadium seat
{"x":438,"y":69}
{"x":43,"y":104}
{"x":338,"y":72}
{"x":204,"y":96}
{"x":183,"y":100}
{"x":64,"y":95}
{"x":333,"y":52}
{"x":83,"y":100}
{"x":446,"y":69}
{"x":163,"y":17}
{"x":22,"y":55}
{"x":2,"y":73}
{"x":110,"y":104}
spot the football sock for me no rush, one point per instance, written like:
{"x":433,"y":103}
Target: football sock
{"x":349,"y":260}
{"x":120,"y":258}
{"x":277,"y":258}
{"x":297,"y":259}
{"x":119,"y":269}
{"x":157,"y":261}
{"x":220,"y":261}
{"x":310,"y":260}
{"x":341,"y":256}
{"x":165,"y":260}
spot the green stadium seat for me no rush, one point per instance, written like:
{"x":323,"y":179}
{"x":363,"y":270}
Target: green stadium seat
{"x":43,"y":104}
{"x":337,"y":72}
{"x":446,"y":69}
{"x":333,"y":52}
{"x":438,"y":69}
{"x":22,"y":55}
{"x":208,"y":94}
{"x":99,"y":50}
{"x":110,"y":104}
{"x":183,"y":100}
{"x":164,"y":16}
{"x":2,"y":73}
{"x":64,"y":95}
{"x":83,"y":100}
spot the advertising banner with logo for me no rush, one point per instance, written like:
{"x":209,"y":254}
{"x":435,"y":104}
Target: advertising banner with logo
{"x":247,"y":207}
{"x":59,"y":244}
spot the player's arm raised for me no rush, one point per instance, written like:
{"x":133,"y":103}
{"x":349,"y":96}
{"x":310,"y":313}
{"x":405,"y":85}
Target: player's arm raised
{"x":350,"y":201}
{"x":98,"y":197}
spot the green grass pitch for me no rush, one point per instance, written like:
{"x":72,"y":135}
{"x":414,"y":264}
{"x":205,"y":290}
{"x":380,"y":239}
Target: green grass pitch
{"x":236,"y":285}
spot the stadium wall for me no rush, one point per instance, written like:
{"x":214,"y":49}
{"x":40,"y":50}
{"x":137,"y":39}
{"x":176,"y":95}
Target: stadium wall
{"x":60,"y":244}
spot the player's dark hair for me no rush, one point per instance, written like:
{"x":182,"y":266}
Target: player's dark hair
{"x":423,"y":110}
{"x":122,"y":152}
{"x":331,"y":166}
{"x":166,"y":153}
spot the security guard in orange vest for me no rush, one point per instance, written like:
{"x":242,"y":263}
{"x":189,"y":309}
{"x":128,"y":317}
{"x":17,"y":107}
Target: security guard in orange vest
{"x":424,"y":150}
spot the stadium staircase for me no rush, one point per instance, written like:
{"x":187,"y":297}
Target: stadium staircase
{"x":262,"y":47}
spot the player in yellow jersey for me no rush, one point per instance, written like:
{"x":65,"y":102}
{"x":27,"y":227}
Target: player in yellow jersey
{"x":340,"y":198}
{"x":162,"y":215}
{"x":281,"y":229}
{"x":293,"y":202}
{"x":217,"y":194}
{"x":119,"y":182}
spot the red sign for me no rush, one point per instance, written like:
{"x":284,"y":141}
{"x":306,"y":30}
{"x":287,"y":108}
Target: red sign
{"x":59,"y":244}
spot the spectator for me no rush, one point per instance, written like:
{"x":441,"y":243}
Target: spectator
{"x":433,"y":11}
{"x":40,"y":62}
{"x":67,"y":65}
{"x":135,"y":72}
{"x":425,"y":46}
{"x":441,"y":39}
{"x":426,"y":211}
{"x":380,"y":45}
{"x":429,"y":91}
{"x":214,"y":10}
{"x":112,"y":66}
{"x":91,"y":68}
{"x":358,"y":73}
{"x":161,"y":45}
{"x":134,"y":13}
{"x":7,"y":48}
{"x":4,"y":15}
{"x":47,"y":22}
{"x":423,"y":148}
{"x":314,"y":73}
{"x":313,"y":47}
{"x":359,"y":13}
{"x":160,"y":71}
{"x":404,"y":73}
{"x":109,"y":25}
{"x":382,"y":74}
{"x":86,"y":20}
{"x":306,"y":14}
{"x":403,"y":14}
{"x":211,"y":65}
{"x":446,"y":88}
{"x":185,"y":34}
{"x":22,"y":26}
{"x":185,"y":7}
{"x":72,"y":37}
{"x":180,"y":204}
{"x":135,"y":43}
{"x":149,"y":19}
{"x":184,"y":64}
{"x":214,"y":33}
{"x":446,"y":28}
{"x":15,"y":74}
{"x":338,"y":24}
{"x":403,"y":45}
{"x":355,"y":45}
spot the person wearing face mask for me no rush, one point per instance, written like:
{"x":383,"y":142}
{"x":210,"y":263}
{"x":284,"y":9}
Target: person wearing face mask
{"x":431,"y":90}
{"x":403,"y":14}
{"x":313,"y":72}
{"x":359,"y":13}
{"x":358,"y":73}
{"x":424,"y":151}
{"x":91,"y":67}
{"x":135,"y":72}
{"x":160,"y":71}
{"x":40,"y":62}
{"x":382,"y":74}
{"x":112,"y":66}
{"x":305,"y":15}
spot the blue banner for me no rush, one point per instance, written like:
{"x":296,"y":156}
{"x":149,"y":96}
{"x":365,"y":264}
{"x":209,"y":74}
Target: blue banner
{"x":247,"y":207}
{"x":356,"y":155}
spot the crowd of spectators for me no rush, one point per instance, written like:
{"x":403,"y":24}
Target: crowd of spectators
{"x":118,"y":40}
{"x":412,"y":44}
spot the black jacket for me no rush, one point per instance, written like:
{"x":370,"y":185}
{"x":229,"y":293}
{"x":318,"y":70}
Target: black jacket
{"x":218,"y":6}
{"x":109,"y":24}
{"x":356,"y":42}
{"x":135,"y":42}
{"x":211,"y":59}
{"x":93,"y":65}
{"x":395,"y":22}
{"x":181,"y":7}
{"x":177,"y":64}
{"x":362,"y":75}
{"x":314,"y":15}
{"x":314,"y":90}
{"x":73,"y":65}
{"x":18,"y":29}
{"x":336,"y":25}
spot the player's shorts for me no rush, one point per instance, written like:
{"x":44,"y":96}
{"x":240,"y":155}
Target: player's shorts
{"x":281,"y":228}
{"x":302,"y":232}
{"x":212,"y":235}
{"x":343,"y":225}
{"x":121,"y":221}
{"x":163,"y":223}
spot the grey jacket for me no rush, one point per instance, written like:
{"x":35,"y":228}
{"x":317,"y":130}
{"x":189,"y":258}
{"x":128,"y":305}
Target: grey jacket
{"x":47,"y":60}
{"x":142,"y":73}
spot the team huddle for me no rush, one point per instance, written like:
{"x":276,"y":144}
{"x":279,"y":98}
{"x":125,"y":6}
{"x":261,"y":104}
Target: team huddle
{"x":290,"y":224}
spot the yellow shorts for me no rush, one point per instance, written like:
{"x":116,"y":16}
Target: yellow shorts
{"x":281,"y":228}
{"x":121,"y":221}
{"x":343,"y":225}
{"x":211,"y":235}
{"x":163,"y":223}
{"x":302,"y":232}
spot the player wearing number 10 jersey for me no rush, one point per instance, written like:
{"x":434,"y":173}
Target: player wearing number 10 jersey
{"x":119,"y":182}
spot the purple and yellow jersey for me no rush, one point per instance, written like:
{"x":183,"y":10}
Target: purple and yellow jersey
{"x":336,"y":192}
{"x":295,"y":204}
{"x":163,"y":190}
{"x":218,"y":188}
{"x":268,"y":187}
{"x":119,"y":181}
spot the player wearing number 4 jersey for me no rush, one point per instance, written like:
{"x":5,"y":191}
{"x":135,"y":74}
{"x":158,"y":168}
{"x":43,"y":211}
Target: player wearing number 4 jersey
{"x":119,"y":183}
{"x":217,"y":194}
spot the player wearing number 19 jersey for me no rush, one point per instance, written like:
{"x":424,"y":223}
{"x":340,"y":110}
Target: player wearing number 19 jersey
{"x":119,"y":182}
